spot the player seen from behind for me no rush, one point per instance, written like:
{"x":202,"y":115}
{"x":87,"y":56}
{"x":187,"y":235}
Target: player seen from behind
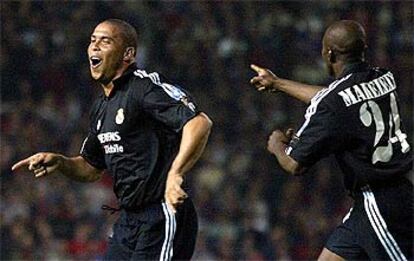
{"x":356,"y":118}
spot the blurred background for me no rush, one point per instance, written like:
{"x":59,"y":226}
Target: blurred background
{"x":248,"y":209}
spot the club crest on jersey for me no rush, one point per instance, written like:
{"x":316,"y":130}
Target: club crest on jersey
{"x":119,"y":119}
{"x":98,"y":125}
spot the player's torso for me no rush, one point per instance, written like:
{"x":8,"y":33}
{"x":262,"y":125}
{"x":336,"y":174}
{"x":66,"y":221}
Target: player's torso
{"x":375,"y":147}
{"x":122,"y":128}
{"x":137,"y":148}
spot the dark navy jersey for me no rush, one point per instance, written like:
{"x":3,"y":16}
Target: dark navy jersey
{"x":357,"y":119}
{"x":135,"y":134}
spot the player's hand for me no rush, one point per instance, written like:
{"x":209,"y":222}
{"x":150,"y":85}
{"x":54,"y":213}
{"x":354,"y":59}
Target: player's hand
{"x":277,"y":138}
{"x":264,"y":81}
{"x":40,"y":164}
{"x":174,"y":194}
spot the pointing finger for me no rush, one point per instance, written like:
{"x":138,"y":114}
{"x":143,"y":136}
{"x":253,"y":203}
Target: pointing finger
{"x":21,"y":163}
{"x":256,"y":68}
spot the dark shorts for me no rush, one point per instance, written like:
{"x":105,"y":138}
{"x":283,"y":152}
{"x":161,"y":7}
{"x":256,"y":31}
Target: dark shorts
{"x":379,"y":226}
{"x":154,"y":233}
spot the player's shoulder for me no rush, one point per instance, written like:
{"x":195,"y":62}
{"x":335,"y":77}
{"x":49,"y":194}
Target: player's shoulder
{"x":142,"y":81}
{"x":327,"y":96}
{"x":147,"y":80}
{"x":360,"y":85}
{"x":157,"y":82}
{"x":358,"y":77}
{"x":148,"y":77}
{"x":142,"y":78}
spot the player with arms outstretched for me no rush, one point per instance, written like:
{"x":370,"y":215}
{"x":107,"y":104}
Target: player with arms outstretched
{"x":357,"y":119}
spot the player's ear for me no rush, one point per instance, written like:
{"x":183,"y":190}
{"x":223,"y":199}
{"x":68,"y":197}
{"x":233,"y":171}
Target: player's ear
{"x":331,"y":56}
{"x":129,"y":54}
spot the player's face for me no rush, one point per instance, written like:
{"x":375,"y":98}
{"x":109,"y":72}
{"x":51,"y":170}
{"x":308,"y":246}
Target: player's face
{"x":326,"y":56}
{"x":105,"y":52}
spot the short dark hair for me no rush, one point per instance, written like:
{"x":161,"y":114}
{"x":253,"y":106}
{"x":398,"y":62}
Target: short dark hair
{"x":129,"y":34}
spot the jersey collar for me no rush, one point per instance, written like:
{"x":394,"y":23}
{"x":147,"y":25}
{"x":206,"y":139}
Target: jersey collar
{"x":126,"y":75}
{"x":119,"y":82}
{"x":353,"y":67}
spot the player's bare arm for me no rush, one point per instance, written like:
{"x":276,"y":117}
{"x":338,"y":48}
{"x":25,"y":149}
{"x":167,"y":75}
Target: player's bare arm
{"x":194,"y":139}
{"x":266,"y":80}
{"x":45,"y":163}
{"x":277,"y":144}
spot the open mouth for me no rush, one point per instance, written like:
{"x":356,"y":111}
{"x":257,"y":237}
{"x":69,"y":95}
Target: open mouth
{"x":95,"y":61}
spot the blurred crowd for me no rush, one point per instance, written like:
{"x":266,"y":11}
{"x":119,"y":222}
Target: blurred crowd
{"x":248,"y":208}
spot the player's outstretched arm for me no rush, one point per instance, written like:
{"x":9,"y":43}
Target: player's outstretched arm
{"x":193,"y":141}
{"x":46,"y":163}
{"x":266,"y":80}
{"x":277,"y":144}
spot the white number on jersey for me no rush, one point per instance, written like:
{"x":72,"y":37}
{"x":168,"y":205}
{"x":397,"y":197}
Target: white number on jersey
{"x":384,"y":153}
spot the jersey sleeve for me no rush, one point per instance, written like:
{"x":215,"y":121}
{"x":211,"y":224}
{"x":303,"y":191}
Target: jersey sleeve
{"x":168,"y":104}
{"x":318,"y":137}
{"x":92,"y":151}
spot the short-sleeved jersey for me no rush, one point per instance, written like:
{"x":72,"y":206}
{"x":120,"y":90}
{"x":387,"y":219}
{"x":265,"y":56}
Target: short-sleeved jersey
{"x":357,"y":119}
{"x":135,"y":134}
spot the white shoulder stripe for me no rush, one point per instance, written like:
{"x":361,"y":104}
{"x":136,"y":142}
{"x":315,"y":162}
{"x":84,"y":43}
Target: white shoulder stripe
{"x":170,"y":89}
{"x":311,"y":110}
{"x":317,"y":99}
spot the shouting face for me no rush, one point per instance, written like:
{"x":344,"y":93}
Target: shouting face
{"x":106,"y":52}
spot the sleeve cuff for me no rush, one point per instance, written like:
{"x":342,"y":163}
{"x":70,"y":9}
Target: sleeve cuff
{"x":94,"y":164}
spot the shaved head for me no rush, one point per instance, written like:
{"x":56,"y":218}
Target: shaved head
{"x":347,"y":38}
{"x":344,"y":41}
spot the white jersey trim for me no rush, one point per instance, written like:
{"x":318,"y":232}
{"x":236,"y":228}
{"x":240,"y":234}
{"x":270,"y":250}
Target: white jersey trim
{"x":170,"y":228}
{"x":172,"y":91}
{"x":312,"y":109}
{"x":83,"y":145}
{"x":380,"y":227}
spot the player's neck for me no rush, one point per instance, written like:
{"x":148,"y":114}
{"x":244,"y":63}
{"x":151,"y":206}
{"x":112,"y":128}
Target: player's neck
{"x":338,"y":68}
{"x":108,"y":87}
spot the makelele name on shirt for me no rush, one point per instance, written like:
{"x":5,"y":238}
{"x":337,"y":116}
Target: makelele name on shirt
{"x":368,"y":90}
{"x":107,"y":139}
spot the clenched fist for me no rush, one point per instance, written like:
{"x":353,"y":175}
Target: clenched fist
{"x":174,"y":194}
{"x":278,"y":137}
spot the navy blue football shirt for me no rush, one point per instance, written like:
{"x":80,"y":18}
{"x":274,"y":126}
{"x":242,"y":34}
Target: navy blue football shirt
{"x":357,"y":119}
{"x":135,"y":134}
